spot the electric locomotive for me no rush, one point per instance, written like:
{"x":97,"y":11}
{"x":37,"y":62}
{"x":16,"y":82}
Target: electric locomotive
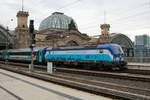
{"x":104,"y":55}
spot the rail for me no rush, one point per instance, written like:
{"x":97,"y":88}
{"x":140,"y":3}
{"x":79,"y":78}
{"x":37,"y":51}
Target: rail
{"x":93,"y":86}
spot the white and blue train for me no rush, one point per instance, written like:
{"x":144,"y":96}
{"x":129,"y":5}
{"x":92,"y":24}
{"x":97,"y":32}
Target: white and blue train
{"x":104,"y":55}
{"x":101,"y":56}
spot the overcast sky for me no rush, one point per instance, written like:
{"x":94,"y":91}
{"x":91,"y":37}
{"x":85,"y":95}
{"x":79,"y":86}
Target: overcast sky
{"x":130,"y":17}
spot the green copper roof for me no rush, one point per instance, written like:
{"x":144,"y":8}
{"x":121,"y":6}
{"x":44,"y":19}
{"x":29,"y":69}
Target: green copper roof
{"x":57,"y":20}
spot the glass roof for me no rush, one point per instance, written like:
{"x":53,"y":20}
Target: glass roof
{"x":57,"y":20}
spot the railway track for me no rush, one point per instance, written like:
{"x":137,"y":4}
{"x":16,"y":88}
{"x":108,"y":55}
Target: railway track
{"x":131,"y":75}
{"x":42,"y":67}
{"x":87,"y":81}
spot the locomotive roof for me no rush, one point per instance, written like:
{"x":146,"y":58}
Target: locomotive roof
{"x":105,"y":46}
{"x":108,"y":45}
{"x":114,"y":48}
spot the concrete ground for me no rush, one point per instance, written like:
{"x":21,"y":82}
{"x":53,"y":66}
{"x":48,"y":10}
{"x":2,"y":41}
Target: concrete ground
{"x":28,"y":88}
{"x":6,"y":96}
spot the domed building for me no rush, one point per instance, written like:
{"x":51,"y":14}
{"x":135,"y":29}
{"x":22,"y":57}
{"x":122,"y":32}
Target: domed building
{"x":59,"y":30}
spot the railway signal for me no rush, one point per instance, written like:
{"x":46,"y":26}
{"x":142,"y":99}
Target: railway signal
{"x":32,"y":33}
{"x":32,"y":43}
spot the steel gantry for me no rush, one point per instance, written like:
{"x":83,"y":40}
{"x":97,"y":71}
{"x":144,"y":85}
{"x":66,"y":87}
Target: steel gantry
{"x":5,"y":38}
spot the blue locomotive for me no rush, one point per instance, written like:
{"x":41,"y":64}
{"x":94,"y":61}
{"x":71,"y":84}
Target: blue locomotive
{"x":103,"y":55}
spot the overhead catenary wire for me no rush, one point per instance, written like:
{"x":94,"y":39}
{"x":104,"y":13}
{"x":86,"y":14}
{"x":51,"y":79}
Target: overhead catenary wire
{"x":132,"y":16}
{"x":62,"y":7}
{"x":69,"y":4}
{"x":123,"y":27}
{"x":116,"y":21}
{"x":118,"y":12}
{"x":133,"y":30}
{"x":126,"y":17}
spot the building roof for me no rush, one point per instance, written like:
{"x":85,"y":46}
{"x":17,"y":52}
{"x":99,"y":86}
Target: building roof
{"x":5,"y":37}
{"x":122,"y":40}
{"x":117,"y":38}
{"x":56,"y":21}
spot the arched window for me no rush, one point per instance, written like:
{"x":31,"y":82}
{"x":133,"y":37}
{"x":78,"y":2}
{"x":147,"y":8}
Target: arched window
{"x":72,"y":43}
{"x":23,"y":26}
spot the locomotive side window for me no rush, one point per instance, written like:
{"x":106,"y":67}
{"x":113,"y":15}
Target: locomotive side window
{"x":20,"y":53}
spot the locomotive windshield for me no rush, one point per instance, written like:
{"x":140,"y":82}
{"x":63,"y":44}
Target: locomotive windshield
{"x":118,"y":50}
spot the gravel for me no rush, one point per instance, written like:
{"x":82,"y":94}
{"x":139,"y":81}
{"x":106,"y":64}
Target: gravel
{"x":130,"y":83}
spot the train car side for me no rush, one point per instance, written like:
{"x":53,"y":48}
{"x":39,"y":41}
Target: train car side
{"x":22,"y":55}
{"x":80,"y":55}
{"x":109,"y":55}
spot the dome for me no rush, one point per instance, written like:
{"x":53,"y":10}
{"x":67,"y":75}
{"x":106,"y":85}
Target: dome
{"x":57,"y":21}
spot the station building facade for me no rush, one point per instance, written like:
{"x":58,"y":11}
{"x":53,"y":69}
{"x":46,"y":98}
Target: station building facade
{"x":58,"y":30}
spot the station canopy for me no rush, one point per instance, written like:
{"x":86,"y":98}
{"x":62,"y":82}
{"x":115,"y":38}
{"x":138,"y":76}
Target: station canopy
{"x":5,"y":38}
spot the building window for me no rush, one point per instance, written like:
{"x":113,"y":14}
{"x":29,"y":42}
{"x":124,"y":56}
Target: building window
{"x":72,"y":43}
{"x":23,"y":26}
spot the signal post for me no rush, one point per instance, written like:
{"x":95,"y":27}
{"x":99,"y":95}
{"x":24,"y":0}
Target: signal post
{"x":32,"y":44}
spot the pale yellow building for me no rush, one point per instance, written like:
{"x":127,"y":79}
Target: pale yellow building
{"x":22,"y":38}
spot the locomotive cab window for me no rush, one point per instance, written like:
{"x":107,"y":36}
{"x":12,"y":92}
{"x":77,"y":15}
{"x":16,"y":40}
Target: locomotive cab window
{"x":118,"y":50}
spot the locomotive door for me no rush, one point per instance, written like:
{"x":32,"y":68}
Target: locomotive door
{"x":39,"y":58}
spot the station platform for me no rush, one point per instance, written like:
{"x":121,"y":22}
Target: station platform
{"x":14,"y":86}
{"x":4,"y":95}
{"x":140,"y":66}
